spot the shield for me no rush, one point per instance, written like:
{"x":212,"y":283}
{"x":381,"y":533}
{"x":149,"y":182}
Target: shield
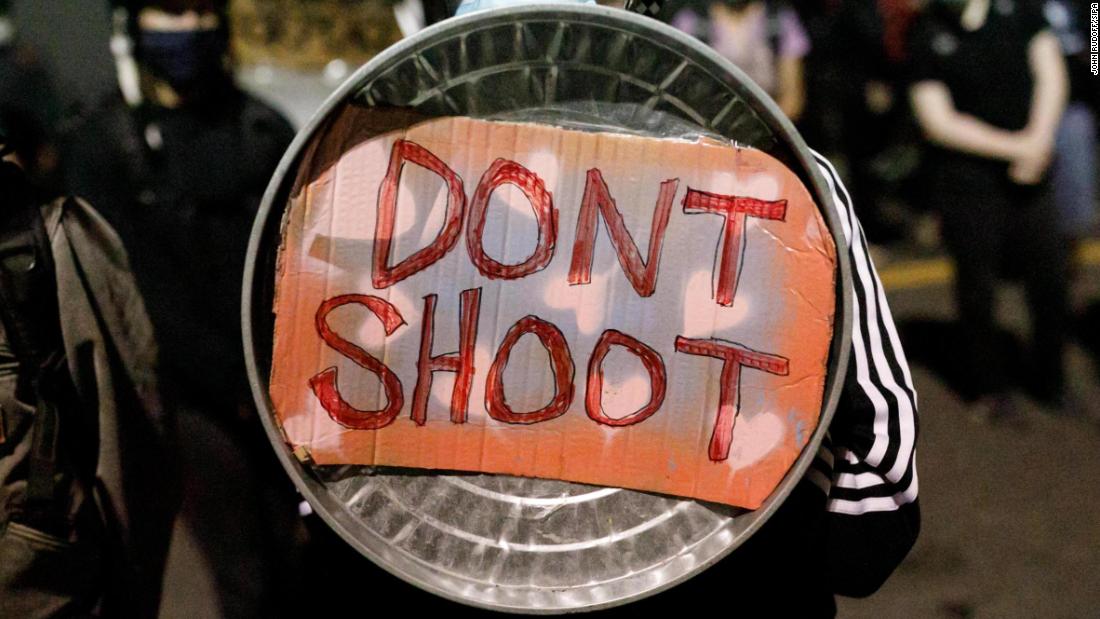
{"x":524,"y":544}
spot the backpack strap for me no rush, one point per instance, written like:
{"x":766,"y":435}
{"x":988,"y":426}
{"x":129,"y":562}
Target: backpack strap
{"x":29,"y":311}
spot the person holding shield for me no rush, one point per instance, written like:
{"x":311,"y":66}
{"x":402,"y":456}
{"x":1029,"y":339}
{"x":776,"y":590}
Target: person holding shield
{"x":856,"y":514}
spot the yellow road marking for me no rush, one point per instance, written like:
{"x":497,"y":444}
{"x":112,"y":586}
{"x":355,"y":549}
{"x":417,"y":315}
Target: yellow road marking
{"x":913,"y":274}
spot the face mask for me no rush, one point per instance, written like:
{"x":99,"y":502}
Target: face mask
{"x":183,"y":59}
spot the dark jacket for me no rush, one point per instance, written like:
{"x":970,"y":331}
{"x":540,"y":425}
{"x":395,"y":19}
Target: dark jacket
{"x":182,"y":187}
{"x":114,"y":558}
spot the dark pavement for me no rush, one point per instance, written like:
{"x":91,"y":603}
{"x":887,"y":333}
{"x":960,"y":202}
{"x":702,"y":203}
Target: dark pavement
{"x":1009,"y":510}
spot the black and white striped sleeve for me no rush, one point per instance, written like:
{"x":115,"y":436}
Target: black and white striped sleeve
{"x":867,"y":464}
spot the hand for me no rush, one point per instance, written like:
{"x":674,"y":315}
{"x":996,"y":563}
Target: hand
{"x":879,"y":97}
{"x":1030,"y":165}
{"x":1029,"y":169}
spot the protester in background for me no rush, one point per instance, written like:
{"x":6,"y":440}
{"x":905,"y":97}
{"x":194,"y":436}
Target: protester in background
{"x":989,"y":87}
{"x":876,"y":136}
{"x":764,"y":38}
{"x":825,"y":78}
{"x":87,"y":484}
{"x":177,"y":161}
{"x":1073,"y":171}
{"x":30,"y":104}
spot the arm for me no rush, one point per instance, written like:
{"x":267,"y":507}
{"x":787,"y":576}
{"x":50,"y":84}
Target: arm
{"x":945,"y":126}
{"x":791,"y":95}
{"x":867,"y":466}
{"x":794,"y":45}
{"x":1048,"y":101}
{"x":1051,"y":85}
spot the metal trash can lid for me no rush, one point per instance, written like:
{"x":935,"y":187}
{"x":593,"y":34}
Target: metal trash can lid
{"x":518,"y":544}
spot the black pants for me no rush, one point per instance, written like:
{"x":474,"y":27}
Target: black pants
{"x":242,"y":510}
{"x":991,"y":224}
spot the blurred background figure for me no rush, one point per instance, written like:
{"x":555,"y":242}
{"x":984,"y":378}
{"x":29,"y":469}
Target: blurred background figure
{"x":177,"y":159}
{"x":84,"y":525}
{"x":1073,"y":171}
{"x":871,"y":129}
{"x":764,"y":38}
{"x":989,"y":90}
{"x":29,"y":104}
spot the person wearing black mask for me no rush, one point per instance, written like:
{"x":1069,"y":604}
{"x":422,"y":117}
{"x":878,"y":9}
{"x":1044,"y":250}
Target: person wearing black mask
{"x":177,"y":159}
{"x":185,"y":52}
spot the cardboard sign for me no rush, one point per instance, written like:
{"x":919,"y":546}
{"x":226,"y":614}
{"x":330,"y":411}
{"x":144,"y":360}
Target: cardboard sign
{"x":522,"y":299}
